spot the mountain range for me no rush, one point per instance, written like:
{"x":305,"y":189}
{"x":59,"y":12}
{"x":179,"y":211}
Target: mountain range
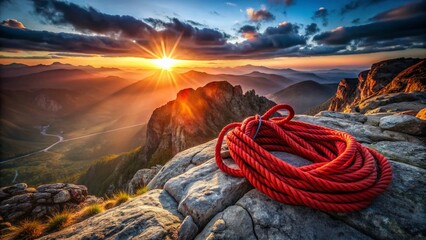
{"x":104,"y":116}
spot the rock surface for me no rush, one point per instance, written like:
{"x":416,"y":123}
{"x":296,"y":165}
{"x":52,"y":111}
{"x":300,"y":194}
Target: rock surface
{"x":19,"y":201}
{"x":403,"y":123}
{"x":141,"y":178}
{"x":217,"y":206}
{"x":150,"y":216}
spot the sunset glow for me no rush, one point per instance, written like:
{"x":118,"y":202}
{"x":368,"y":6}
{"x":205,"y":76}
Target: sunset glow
{"x":165,"y":63}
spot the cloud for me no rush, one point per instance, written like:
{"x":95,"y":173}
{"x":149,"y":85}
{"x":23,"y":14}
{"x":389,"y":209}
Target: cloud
{"x":322,"y":14}
{"x":201,"y":36}
{"x":25,"y":39}
{"x":231,"y":4}
{"x":355,"y":4}
{"x":30,"y":57}
{"x":404,"y":11}
{"x":90,"y":20}
{"x":260,"y":15}
{"x":356,"y":21}
{"x":12,"y":23}
{"x":377,"y":31}
{"x":248,"y":32}
{"x":194,"y":23}
{"x":285,"y":35}
{"x":311,"y":29}
{"x":285,"y":2}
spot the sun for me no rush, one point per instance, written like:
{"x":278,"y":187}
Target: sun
{"x":165,"y":63}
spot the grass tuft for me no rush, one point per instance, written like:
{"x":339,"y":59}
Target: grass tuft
{"x":91,"y":210}
{"x":110,"y":203}
{"x":141,"y":190}
{"x":60,"y":220}
{"x":27,"y":229}
{"x":121,"y":197}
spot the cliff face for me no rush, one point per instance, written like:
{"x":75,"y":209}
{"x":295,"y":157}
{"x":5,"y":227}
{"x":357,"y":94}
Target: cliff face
{"x":197,"y":116}
{"x":402,"y":75}
{"x":345,"y":94}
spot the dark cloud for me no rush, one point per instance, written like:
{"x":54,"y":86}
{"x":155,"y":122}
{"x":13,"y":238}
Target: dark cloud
{"x":90,"y":20}
{"x":311,"y":29}
{"x":194,"y":23}
{"x":259,"y":15}
{"x":356,"y":21}
{"x":376,"y":31}
{"x":322,"y":14}
{"x":284,"y":36}
{"x":248,"y":31}
{"x":30,"y":57}
{"x":355,"y":4}
{"x":404,"y":11}
{"x":155,"y":23}
{"x":203,"y":36}
{"x":286,"y":2}
{"x":25,"y":39}
{"x":12,"y":23}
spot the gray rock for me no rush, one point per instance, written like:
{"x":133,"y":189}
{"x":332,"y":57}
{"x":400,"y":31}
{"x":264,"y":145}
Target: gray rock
{"x":405,"y":152}
{"x":62,"y":196}
{"x":400,"y":212}
{"x":274,"y":220}
{"x":233,"y":223}
{"x":27,"y":197}
{"x":177,"y":165}
{"x":356,"y":117}
{"x":362,"y":132}
{"x":404,"y":123}
{"x":204,"y":191}
{"x":141,"y":178}
{"x":188,"y":229}
{"x":152,"y":215}
{"x":45,"y":187}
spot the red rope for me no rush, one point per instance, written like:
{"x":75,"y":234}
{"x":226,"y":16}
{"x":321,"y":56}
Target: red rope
{"x":344,"y":176}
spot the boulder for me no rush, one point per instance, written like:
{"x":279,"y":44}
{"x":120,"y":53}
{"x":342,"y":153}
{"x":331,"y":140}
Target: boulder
{"x":62,"y":196}
{"x":141,"y":178}
{"x":405,"y":152}
{"x":403,"y":123}
{"x":188,"y":229}
{"x":203,"y":191}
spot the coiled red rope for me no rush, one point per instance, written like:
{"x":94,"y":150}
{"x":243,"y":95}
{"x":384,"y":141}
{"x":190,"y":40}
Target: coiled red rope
{"x":344,"y":176}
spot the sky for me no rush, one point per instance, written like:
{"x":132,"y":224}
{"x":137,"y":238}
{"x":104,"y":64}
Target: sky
{"x":277,"y":33}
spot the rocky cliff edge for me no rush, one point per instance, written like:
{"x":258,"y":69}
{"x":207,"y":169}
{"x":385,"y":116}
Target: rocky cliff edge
{"x":191,"y":198}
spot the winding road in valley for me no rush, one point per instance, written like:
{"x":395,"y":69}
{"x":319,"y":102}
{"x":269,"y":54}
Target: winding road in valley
{"x":61,"y":139}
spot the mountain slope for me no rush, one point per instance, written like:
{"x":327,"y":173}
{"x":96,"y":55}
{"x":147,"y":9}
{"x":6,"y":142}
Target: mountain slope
{"x":304,"y":95}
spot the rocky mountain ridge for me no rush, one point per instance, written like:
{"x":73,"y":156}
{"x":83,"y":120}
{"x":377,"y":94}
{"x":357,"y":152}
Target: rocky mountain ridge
{"x":193,"y":118}
{"x":404,"y":79}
